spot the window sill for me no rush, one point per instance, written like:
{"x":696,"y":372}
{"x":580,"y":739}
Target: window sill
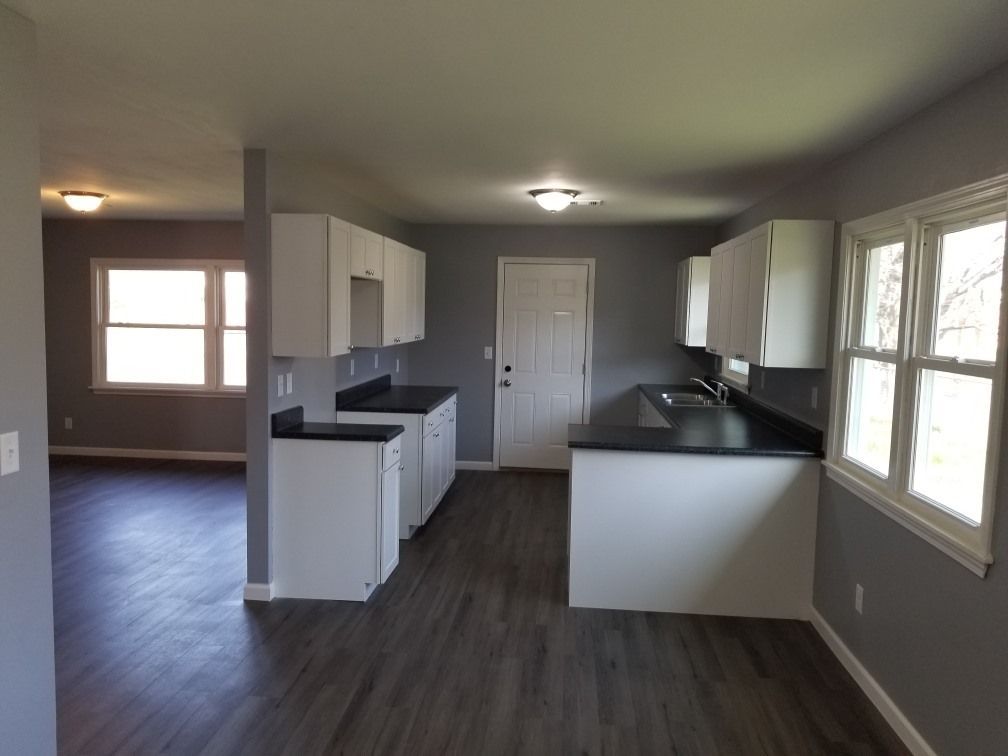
{"x":976,"y":563}
{"x":161,"y":391}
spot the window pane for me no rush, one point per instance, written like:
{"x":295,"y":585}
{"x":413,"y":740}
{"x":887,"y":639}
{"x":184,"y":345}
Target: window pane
{"x":869,"y":415}
{"x":234,"y":358}
{"x":234,"y":298}
{"x":883,"y":286}
{"x":176,"y":297}
{"x":155,"y":355}
{"x":969,"y":292}
{"x":738,"y":366}
{"x":951,"y":441}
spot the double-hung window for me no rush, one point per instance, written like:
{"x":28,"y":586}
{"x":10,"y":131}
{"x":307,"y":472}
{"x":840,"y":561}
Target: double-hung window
{"x":919,"y":379}
{"x":174,"y":326}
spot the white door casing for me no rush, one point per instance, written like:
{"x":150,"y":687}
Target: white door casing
{"x":543,"y":358}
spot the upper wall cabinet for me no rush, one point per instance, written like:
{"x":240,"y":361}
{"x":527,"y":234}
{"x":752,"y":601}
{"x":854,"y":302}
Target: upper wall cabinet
{"x":403,"y":294}
{"x":310,"y":276}
{"x":367,"y":257}
{"x":692,"y":286}
{"x":392,"y":312}
{"x":769,"y":295}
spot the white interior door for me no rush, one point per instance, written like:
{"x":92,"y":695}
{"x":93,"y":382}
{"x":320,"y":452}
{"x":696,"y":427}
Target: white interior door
{"x":541,"y":370}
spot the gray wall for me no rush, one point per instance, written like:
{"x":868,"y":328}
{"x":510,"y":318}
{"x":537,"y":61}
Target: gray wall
{"x":932,"y":633}
{"x":27,"y":690}
{"x":634,"y":311}
{"x":288,"y":183}
{"x":121,"y":420}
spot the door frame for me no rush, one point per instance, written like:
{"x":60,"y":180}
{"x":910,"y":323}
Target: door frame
{"x":589,"y":329}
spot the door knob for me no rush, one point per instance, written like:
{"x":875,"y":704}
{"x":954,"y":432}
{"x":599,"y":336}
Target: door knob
{"x":506,"y":382}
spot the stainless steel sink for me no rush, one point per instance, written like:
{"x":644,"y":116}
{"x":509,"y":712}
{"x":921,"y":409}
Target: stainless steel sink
{"x":692,"y":399}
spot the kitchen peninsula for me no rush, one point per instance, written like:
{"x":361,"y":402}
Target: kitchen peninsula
{"x":713,"y":514}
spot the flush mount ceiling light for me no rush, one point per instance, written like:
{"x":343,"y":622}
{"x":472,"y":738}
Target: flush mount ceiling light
{"x":84,"y":202}
{"x":554,"y":200}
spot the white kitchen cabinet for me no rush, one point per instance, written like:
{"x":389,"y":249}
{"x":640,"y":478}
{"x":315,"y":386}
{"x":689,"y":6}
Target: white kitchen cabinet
{"x":335,"y":517}
{"x":393,"y":293}
{"x":714,"y":299}
{"x":390,"y":492}
{"x":367,"y":259}
{"x":772,"y":295}
{"x":310,"y":285}
{"x":692,"y":286}
{"x":428,"y":458}
{"x":391,"y":311}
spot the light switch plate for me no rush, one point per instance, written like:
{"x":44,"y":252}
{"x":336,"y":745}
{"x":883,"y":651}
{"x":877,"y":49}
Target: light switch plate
{"x":487,"y":353}
{"x":351,"y":367}
{"x":10,"y":453}
{"x":397,"y":365}
{"x":376,"y":360}
{"x":280,"y":385}
{"x":290,"y":383}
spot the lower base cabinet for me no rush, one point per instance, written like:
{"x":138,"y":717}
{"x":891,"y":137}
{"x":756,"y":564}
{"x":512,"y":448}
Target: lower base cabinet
{"x":335,"y":517}
{"x":428,"y":458}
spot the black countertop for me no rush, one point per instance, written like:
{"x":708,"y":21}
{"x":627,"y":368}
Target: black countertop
{"x":290,"y":424}
{"x":745,"y":429}
{"x":380,"y":396}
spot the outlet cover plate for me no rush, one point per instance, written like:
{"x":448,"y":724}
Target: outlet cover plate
{"x":10,"y":453}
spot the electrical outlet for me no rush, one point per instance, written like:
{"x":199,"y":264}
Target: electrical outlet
{"x":68,"y":423}
{"x":351,"y":367}
{"x":487,"y":353}
{"x":376,"y":360}
{"x":858,"y":598}
{"x":815,"y":396}
{"x":290,"y":383}
{"x":280,"y":385}
{"x":397,"y":365}
{"x":10,"y":454}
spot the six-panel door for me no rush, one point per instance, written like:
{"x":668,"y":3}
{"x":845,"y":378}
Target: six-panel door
{"x":542,"y":361}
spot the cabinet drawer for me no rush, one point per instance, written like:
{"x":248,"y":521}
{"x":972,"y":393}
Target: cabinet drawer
{"x":392,"y":453}
{"x":437,"y":416}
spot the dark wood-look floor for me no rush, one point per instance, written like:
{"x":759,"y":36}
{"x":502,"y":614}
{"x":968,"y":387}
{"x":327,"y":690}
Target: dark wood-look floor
{"x":470,"y":648}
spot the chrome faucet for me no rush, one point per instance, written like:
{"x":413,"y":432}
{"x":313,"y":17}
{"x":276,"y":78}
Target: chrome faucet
{"x":720,"y":393}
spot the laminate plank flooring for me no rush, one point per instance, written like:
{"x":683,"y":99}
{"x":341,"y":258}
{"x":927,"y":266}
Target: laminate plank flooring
{"x":470,"y":647}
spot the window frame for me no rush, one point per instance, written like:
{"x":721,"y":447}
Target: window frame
{"x":969,"y":544}
{"x":213,"y":343}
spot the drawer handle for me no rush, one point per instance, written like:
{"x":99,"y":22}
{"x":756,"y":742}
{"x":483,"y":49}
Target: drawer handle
{"x":437,"y":435}
{"x":401,"y":468}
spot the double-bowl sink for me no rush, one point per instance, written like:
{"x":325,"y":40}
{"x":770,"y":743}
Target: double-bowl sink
{"x":693,"y":399}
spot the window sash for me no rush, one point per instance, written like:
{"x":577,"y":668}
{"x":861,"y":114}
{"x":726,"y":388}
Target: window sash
{"x":213,"y":330}
{"x":968,"y":543}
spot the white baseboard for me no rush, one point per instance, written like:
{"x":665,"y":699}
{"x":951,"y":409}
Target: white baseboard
{"x":258,"y":591}
{"x":99,"y":451}
{"x":876,"y":694}
{"x":464,"y":465}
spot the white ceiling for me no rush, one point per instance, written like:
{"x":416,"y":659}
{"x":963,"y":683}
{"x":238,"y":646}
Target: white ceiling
{"x":450,"y":110}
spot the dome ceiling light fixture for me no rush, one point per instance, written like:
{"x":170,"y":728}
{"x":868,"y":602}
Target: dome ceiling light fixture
{"x":554,"y":200}
{"x":83,"y":202}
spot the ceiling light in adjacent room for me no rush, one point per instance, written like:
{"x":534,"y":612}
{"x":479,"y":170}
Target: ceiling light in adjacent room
{"x":84,"y":202}
{"x":554,"y":200}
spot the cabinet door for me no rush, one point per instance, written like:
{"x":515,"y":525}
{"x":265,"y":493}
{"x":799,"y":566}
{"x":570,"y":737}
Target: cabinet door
{"x":759,"y":273}
{"x":725,"y":305}
{"x":388,"y":548}
{"x":406,"y":275}
{"x":420,"y":282}
{"x":682,"y":301}
{"x":391,"y":295}
{"x":365,"y":253}
{"x":740,"y":299}
{"x":428,"y":477}
{"x":450,"y":446}
{"x":339,"y":287}
{"x":714,"y":298}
